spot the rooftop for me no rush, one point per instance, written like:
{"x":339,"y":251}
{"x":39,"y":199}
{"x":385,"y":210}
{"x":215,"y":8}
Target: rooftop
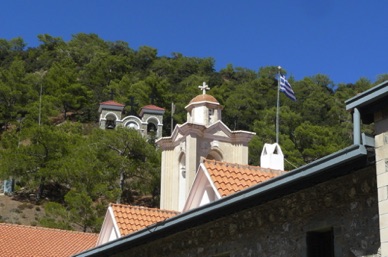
{"x":28,"y":241}
{"x":204,"y":98}
{"x":153,"y":107}
{"x":113,"y":103}
{"x":230,"y":178}
{"x":133,"y":218}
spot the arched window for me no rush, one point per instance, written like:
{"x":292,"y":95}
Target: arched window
{"x":182,"y":180}
{"x":132,"y":125}
{"x":210,"y":116}
{"x":214,"y":155}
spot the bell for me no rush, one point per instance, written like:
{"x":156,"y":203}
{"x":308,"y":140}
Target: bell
{"x":110,"y":124}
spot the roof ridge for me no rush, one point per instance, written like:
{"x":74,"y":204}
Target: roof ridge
{"x":232,"y":164}
{"x":239,"y":165}
{"x":45,"y":228}
{"x":112,"y":102}
{"x":152,"y":105}
{"x":141,"y":207}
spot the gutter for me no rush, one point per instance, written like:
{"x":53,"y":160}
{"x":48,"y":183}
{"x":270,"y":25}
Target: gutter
{"x":369,"y":102}
{"x":342,"y":162}
{"x":367,"y":97}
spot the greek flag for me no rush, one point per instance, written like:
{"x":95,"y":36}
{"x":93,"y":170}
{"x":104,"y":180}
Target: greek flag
{"x":285,"y":87}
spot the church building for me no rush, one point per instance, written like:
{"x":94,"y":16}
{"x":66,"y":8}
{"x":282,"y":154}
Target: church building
{"x":217,"y":168}
{"x":333,"y":206}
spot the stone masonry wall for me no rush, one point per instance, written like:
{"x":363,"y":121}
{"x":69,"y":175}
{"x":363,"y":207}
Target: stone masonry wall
{"x":381,"y":144}
{"x":278,"y":228}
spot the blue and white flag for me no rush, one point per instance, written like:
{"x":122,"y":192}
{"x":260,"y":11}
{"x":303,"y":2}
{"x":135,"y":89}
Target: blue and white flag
{"x":285,"y":87}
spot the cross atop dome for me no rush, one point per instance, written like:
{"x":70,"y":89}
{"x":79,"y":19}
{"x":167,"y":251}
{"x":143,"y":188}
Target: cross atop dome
{"x":204,"y":87}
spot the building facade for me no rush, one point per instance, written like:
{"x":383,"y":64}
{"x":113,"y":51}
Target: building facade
{"x":337,"y":216}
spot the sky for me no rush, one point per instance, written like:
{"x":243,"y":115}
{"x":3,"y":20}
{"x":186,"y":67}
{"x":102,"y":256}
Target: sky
{"x":343,"y":39}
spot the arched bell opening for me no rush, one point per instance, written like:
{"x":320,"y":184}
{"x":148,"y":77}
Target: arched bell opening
{"x":110,"y":122}
{"x":151,"y":129}
{"x":214,"y":155}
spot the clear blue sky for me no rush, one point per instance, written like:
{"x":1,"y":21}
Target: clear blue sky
{"x":344,"y":39}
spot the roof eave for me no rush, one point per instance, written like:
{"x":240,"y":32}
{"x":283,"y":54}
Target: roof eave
{"x":368,"y":96}
{"x":152,"y":110}
{"x":110,"y":107}
{"x":369,"y":102}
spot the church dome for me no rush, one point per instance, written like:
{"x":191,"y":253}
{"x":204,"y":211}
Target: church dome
{"x":204,"y":98}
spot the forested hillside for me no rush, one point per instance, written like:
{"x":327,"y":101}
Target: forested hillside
{"x":49,"y":98}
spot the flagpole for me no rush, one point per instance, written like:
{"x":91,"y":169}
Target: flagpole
{"x":277,"y":107}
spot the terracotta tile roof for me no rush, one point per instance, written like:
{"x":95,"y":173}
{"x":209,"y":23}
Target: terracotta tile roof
{"x":111,"y":102}
{"x":133,"y":218}
{"x":28,"y":241}
{"x":230,"y":178}
{"x":153,"y":107}
{"x":204,"y":97}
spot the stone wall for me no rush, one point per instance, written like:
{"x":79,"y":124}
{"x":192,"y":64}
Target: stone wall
{"x":278,"y":228}
{"x":381,"y":144}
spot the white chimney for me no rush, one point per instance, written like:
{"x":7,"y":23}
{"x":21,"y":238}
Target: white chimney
{"x":272,"y":157}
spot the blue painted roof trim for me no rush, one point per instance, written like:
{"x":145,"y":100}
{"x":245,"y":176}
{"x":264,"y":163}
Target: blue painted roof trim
{"x":367,"y":97}
{"x":325,"y":167}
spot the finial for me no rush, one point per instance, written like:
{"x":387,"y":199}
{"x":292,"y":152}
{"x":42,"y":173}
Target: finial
{"x":204,"y":87}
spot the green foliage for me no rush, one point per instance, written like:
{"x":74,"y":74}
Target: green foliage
{"x":127,"y":155}
{"x":316,"y":141}
{"x":79,"y":211}
{"x":49,"y":97}
{"x":56,"y":216}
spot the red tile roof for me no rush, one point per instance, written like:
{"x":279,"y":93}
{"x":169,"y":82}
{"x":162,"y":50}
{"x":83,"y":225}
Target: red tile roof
{"x":133,"y":218}
{"x":153,"y":107}
{"x":28,"y":241}
{"x":111,"y":102}
{"x":230,"y":178}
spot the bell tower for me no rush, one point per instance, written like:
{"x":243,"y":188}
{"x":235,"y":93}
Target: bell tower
{"x":152,"y":117}
{"x":110,"y":114}
{"x":203,"y":109}
{"x":203,"y":135}
{"x":149,"y":122}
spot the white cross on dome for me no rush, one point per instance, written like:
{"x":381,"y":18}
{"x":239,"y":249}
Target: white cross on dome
{"x":204,"y":87}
